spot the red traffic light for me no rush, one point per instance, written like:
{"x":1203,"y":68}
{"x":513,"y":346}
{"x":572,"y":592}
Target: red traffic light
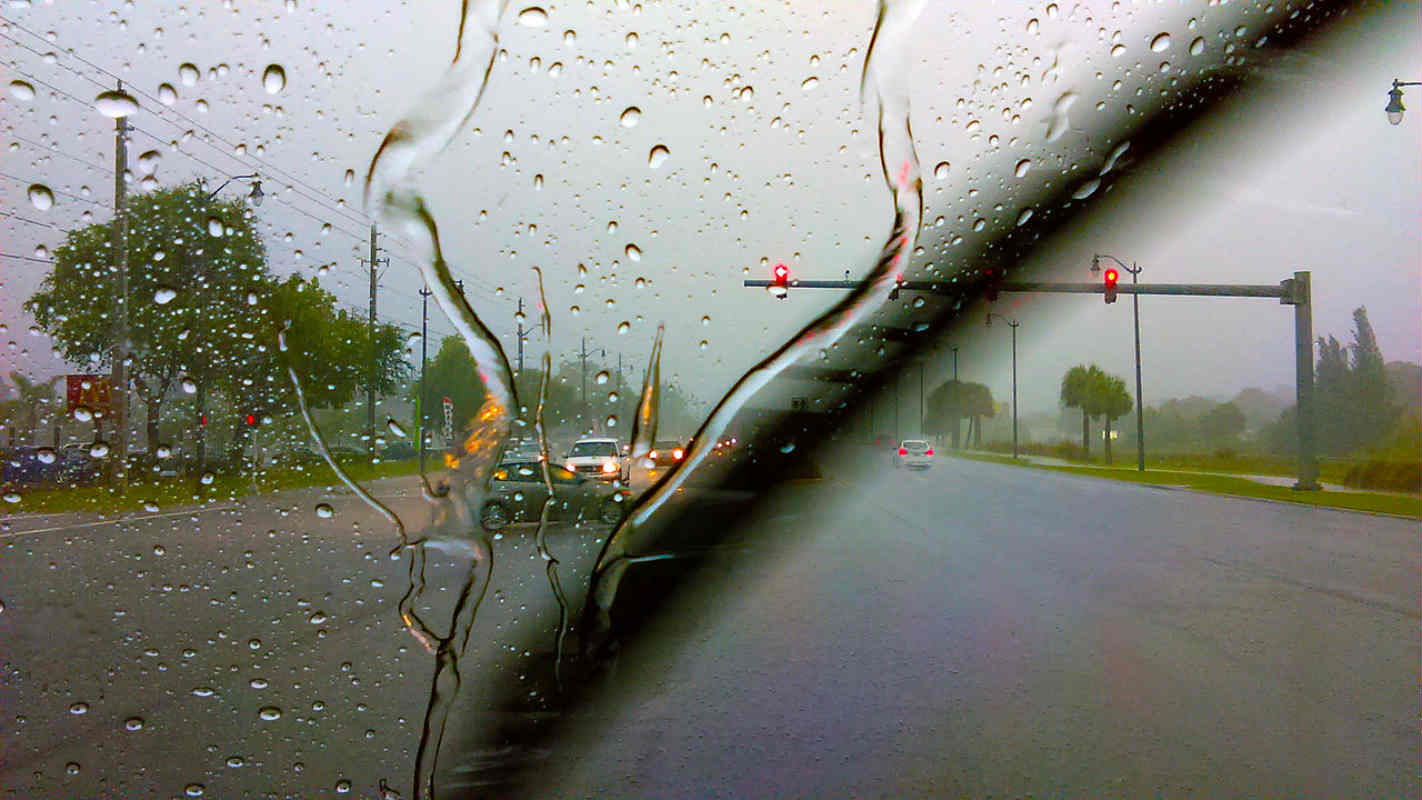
{"x":1110,"y":277}
{"x":252,"y":419}
{"x":782,"y":272}
{"x":202,"y":421}
{"x":780,"y":288}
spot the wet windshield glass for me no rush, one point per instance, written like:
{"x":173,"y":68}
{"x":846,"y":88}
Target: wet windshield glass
{"x":593,"y":449}
{"x":302,"y":302}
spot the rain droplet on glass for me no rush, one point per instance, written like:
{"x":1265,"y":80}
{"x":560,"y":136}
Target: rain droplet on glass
{"x":188,"y":74}
{"x":631,"y":116}
{"x":167,"y":95}
{"x":274,"y":79}
{"x":164,"y":295}
{"x":533,"y":17}
{"x":114,"y":104}
{"x":658,"y":156}
{"x":40,"y":197}
{"x":941,"y":171}
{"x":634,"y":252}
{"x":22,"y":91}
{"x":1160,"y":43}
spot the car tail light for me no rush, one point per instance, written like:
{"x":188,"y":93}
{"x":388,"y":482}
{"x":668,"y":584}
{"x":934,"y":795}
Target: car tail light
{"x":677,"y":454}
{"x":903,"y":451}
{"x":608,"y":466}
{"x":930,"y":452}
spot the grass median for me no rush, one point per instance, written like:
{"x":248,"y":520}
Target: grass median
{"x":166,"y":493}
{"x":1406,"y":505}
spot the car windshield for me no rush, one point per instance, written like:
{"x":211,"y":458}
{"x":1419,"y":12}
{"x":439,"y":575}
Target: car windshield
{"x":298,"y":298}
{"x":593,"y":450}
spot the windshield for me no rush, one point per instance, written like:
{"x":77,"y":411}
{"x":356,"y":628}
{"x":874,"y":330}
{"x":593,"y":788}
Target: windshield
{"x":593,"y":450}
{"x":283,"y":284}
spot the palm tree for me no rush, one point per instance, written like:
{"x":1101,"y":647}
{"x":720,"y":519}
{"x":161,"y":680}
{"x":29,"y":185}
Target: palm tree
{"x":1112,"y":401}
{"x":1076,"y":393}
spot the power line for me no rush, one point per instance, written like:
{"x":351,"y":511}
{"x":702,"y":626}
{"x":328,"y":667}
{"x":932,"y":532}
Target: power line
{"x":31,"y":221}
{"x":49,"y":151}
{"x":160,"y":107}
{"x":27,"y":258}
{"x":28,"y":182}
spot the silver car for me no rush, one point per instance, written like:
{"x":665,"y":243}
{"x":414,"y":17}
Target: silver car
{"x":914,"y":454}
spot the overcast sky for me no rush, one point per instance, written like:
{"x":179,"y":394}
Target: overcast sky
{"x":779,"y":165}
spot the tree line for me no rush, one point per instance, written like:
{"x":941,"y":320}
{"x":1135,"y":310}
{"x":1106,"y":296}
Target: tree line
{"x":205,"y":314}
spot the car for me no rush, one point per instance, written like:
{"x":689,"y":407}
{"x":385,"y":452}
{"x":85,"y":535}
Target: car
{"x":517,"y":494}
{"x":666,"y":453}
{"x":914,"y":454}
{"x":598,"y":458}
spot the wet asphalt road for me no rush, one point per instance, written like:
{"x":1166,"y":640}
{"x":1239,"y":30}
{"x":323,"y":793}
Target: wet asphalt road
{"x":972,"y":630}
{"x":986,"y":630}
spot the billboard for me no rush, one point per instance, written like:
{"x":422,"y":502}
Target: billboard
{"x":87,"y":391}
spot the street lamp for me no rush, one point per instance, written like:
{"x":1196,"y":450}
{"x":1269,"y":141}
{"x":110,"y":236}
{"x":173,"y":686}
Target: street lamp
{"x":255,"y":195}
{"x":1013,"y":324}
{"x":1394,"y":100}
{"x":1136,"y":313}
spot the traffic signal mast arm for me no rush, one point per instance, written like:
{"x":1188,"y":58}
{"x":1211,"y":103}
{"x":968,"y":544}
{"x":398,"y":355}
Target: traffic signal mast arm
{"x":1283,"y":290}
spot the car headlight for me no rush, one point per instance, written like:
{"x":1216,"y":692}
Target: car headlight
{"x":677,"y":454}
{"x":571,"y":466}
{"x":609,"y":467}
{"x":652,"y":454}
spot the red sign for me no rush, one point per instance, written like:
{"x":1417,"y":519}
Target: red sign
{"x":87,"y":391}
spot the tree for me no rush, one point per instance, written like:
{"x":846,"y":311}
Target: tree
{"x":1076,"y":393}
{"x":24,"y":408}
{"x":193,"y":264}
{"x":951,"y":403}
{"x":1373,"y":413}
{"x":1110,"y":400}
{"x":1222,"y":424}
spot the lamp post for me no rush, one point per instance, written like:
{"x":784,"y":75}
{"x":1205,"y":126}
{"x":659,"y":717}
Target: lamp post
{"x":255,"y":195}
{"x":1013,"y":324}
{"x":1395,"y":107}
{"x":1136,"y":313}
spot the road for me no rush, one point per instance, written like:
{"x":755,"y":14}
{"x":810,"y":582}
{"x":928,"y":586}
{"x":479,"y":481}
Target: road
{"x":969,"y":630}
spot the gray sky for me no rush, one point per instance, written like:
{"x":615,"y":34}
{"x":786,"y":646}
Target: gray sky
{"x":1304,"y":174}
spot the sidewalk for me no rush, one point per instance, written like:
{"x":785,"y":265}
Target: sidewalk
{"x":1267,"y":480}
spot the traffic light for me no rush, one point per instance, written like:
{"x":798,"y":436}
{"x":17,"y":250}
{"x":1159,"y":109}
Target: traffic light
{"x":781,"y":287}
{"x":993,"y":284}
{"x":1110,"y":281}
{"x":251,"y":420}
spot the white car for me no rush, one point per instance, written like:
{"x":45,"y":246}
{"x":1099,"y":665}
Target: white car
{"x":914,"y":454}
{"x":600,"y":459}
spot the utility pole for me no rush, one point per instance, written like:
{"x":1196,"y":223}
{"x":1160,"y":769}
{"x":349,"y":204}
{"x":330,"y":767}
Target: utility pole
{"x":522,"y":334}
{"x":420,"y":404}
{"x":370,"y":387}
{"x":583,"y":356}
{"x":118,"y":380}
{"x":1013,"y":324}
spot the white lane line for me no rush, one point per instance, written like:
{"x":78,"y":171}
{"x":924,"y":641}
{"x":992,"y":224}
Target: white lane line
{"x":189,"y":512}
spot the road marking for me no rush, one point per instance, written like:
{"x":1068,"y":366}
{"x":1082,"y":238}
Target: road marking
{"x":15,"y":534}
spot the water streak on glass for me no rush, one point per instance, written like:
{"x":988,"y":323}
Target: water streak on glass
{"x":884,"y":89}
{"x":644,"y":425}
{"x":545,"y":325}
{"x":391,"y":194}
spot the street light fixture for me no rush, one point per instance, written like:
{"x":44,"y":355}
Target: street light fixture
{"x":255,"y":195}
{"x":1136,"y":313}
{"x":1013,"y":324}
{"x":1394,"y":100}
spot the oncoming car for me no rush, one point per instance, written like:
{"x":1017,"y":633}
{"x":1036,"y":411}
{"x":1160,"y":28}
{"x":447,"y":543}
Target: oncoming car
{"x":517,"y":493}
{"x":597,"y":458}
{"x":914,"y":454}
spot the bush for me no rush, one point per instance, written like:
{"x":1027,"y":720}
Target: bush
{"x":1386,"y":476}
{"x":1066,"y":449}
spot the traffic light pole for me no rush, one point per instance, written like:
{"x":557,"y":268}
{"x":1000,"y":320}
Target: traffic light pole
{"x":1295,"y":291}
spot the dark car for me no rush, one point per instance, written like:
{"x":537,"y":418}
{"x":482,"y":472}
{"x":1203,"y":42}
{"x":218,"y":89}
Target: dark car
{"x":517,"y":493}
{"x":666,"y":453}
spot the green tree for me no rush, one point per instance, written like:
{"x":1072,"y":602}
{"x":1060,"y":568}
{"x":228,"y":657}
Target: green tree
{"x":1110,"y":400}
{"x":951,"y":403}
{"x":1374,"y":414}
{"x":193,"y":264}
{"x":977,"y":403}
{"x":1076,"y":393}
{"x":1222,"y":424}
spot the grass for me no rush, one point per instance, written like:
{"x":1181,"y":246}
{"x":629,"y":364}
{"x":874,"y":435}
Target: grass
{"x":1377,"y":502}
{"x":165,"y":493}
{"x":1330,"y":470}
